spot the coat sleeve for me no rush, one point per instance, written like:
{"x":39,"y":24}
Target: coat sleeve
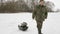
{"x":34,"y":13}
{"x":46,"y":13}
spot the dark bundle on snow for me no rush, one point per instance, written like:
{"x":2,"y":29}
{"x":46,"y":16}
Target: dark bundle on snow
{"x":23,"y":26}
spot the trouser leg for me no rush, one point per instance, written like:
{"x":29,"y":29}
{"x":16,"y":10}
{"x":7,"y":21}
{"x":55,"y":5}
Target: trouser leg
{"x":39,"y":26}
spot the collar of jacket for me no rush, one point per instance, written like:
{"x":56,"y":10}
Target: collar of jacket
{"x":42,"y":6}
{"x":38,"y":6}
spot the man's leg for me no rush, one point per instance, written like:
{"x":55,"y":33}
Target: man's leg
{"x":39,"y":26}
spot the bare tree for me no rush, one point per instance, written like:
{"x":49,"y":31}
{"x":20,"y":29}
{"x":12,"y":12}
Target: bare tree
{"x":50,"y":5}
{"x":1,"y":2}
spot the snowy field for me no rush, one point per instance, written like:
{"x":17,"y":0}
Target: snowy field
{"x":9,"y":23}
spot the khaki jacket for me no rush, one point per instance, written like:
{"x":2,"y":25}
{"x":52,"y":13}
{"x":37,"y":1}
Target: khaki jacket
{"x":40,"y":13}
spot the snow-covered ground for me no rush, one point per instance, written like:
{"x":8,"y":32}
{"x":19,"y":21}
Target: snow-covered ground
{"x":9,"y":23}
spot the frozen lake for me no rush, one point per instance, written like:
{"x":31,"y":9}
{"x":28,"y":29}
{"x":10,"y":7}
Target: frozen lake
{"x":9,"y":23}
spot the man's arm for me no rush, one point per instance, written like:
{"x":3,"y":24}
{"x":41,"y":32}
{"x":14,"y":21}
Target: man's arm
{"x":34,"y":13}
{"x":46,"y":13}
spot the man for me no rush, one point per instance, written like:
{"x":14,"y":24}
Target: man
{"x":40,"y":14}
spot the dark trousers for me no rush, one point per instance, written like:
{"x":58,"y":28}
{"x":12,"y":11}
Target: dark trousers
{"x":39,"y":26}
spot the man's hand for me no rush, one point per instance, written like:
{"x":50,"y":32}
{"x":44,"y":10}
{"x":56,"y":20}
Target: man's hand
{"x":32,"y":17}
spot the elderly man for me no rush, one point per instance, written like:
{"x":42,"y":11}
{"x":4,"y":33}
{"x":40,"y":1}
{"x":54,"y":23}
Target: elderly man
{"x":40,"y":14}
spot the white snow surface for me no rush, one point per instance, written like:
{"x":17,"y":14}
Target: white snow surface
{"x":9,"y":23}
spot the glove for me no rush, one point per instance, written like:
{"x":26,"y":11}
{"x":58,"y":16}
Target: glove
{"x":32,"y":17}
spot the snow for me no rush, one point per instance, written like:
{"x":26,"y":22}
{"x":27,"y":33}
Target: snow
{"x":52,"y":24}
{"x":9,"y":23}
